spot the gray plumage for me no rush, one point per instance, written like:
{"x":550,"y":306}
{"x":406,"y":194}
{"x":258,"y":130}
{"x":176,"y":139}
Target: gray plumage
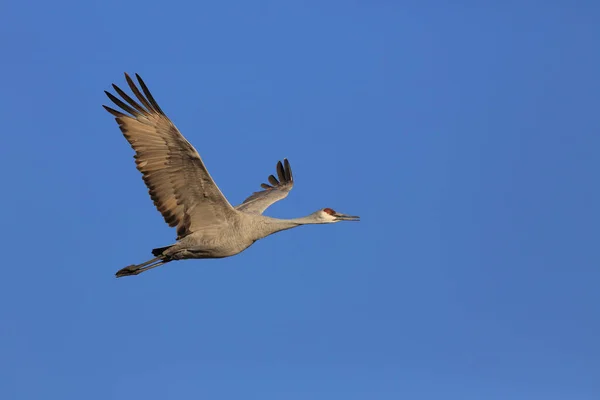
{"x":186,"y":195}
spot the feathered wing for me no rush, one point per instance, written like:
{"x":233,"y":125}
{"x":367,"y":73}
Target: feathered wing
{"x":178,"y":182}
{"x":258,"y":202}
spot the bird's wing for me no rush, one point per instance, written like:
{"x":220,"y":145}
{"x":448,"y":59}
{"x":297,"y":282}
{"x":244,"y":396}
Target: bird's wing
{"x":258,"y":202}
{"x":178,"y":182}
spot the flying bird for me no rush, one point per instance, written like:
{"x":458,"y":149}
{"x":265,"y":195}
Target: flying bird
{"x":208,"y":226}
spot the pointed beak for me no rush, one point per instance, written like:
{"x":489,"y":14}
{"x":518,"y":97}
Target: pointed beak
{"x":344,"y":217}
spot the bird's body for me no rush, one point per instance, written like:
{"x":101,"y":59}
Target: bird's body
{"x":186,"y":195}
{"x":218,"y":242}
{"x":228,"y":240}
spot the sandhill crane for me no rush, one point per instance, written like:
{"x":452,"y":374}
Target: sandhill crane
{"x":186,"y":195}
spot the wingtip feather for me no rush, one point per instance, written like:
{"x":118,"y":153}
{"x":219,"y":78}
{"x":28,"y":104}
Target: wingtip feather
{"x":288,"y":170}
{"x":273,"y":181}
{"x":114,"y":112}
{"x":281,"y":172}
{"x":148,"y":94}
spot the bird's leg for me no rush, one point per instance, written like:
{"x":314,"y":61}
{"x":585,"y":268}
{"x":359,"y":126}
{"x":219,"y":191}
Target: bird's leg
{"x":146,"y":263}
{"x":158,"y":264}
{"x":136,"y":269}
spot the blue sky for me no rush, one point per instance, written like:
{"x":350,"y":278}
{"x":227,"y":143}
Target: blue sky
{"x":465,"y":136}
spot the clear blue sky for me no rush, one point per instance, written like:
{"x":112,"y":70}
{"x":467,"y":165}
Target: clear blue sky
{"x":465,"y":136}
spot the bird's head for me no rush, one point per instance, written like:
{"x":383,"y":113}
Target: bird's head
{"x":329,"y":216}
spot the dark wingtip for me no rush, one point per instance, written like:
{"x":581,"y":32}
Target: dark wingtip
{"x":137,"y":92}
{"x":281,"y":172}
{"x":288,"y":170}
{"x":149,"y":96}
{"x":273,"y":181}
{"x":113,"y":111}
{"x":139,"y":79}
{"x":120,"y":103}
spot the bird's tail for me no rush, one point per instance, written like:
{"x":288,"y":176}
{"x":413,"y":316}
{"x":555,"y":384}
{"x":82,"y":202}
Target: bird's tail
{"x":160,"y":250}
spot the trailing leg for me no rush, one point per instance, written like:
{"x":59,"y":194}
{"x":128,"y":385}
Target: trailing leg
{"x":136,"y":269}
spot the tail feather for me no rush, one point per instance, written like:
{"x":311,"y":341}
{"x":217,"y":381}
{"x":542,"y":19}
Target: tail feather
{"x":160,"y":250}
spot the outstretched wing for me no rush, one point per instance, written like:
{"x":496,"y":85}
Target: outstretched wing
{"x":258,"y":202}
{"x":178,"y":182}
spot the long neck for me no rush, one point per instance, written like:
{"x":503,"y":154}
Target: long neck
{"x":269,"y":225}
